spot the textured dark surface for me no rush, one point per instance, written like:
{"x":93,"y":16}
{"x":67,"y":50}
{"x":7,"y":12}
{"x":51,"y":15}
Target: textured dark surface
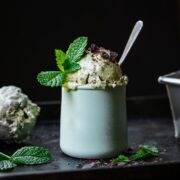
{"x":157,"y":131}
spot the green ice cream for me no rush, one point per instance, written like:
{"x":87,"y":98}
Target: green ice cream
{"x":99,"y":69}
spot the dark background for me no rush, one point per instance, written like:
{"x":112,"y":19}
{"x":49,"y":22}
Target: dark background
{"x":31,"y":30}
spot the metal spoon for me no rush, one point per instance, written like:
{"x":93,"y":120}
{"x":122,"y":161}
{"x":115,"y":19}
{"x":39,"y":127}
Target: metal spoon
{"x":134,"y":34}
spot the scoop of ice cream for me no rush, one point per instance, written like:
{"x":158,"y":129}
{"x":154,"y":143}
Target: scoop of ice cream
{"x":17,"y":115}
{"x":98,"y":70}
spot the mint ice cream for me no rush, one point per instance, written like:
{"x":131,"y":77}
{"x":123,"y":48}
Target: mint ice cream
{"x":99,"y":69}
{"x":95,"y":67}
{"x":18,"y":115}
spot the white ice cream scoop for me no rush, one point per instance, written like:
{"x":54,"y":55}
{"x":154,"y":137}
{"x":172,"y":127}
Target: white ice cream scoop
{"x":18,"y":115}
{"x":134,"y":34}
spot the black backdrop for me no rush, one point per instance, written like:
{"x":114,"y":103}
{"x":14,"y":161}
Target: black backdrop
{"x":30,"y":31}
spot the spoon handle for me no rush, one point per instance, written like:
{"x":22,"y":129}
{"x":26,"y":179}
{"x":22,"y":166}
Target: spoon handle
{"x":136,"y":30}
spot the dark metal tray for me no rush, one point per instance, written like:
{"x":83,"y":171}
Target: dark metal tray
{"x":157,"y":130}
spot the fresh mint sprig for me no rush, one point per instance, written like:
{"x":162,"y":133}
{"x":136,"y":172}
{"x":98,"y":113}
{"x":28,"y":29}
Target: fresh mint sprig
{"x":28,"y":155}
{"x":144,"y":151}
{"x":66,"y":62}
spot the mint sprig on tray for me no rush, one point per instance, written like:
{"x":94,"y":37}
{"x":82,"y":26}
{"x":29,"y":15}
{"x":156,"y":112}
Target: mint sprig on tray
{"x":121,"y":158}
{"x":66,"y":62}
{"x":28,"y":155}
{"x":144,"y":151}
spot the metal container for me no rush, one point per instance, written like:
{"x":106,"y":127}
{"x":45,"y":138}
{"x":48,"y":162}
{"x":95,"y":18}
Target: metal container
{"x":93,"y":122}
{"x":172,"y":82}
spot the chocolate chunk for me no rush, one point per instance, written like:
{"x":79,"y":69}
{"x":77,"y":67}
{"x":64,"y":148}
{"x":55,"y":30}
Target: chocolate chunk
{"x":93,"y":48}
{"x":113,"y":55}
{"x":105,"y":55}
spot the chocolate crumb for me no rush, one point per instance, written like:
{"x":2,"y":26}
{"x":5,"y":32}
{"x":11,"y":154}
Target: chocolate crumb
{"x":91,"y":165}
{"x":113,"y":55}
{"x":105,"y":53}
{"x":93,"y":48}
{"x":79,"y":166}
{"x":121,"y":164}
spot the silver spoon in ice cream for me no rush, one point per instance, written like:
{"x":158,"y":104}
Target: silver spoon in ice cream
{"x":134,"y":34}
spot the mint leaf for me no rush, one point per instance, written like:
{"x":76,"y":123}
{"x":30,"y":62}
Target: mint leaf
{"x":61,"y":57}
{"x":31,"y":155}
{"x":6,"y":165}
{"x":51,"y":78}
{"x":28,"y":155}
{"x":77,"y":48}
{"x":150,"y":148}
{"x":121,"y":158}
{"x":67,"y":63}
{"x":144,"y":152}
{"x":141,"y":154}
{"x":73,"y":67}
{"x":4,"y":156}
